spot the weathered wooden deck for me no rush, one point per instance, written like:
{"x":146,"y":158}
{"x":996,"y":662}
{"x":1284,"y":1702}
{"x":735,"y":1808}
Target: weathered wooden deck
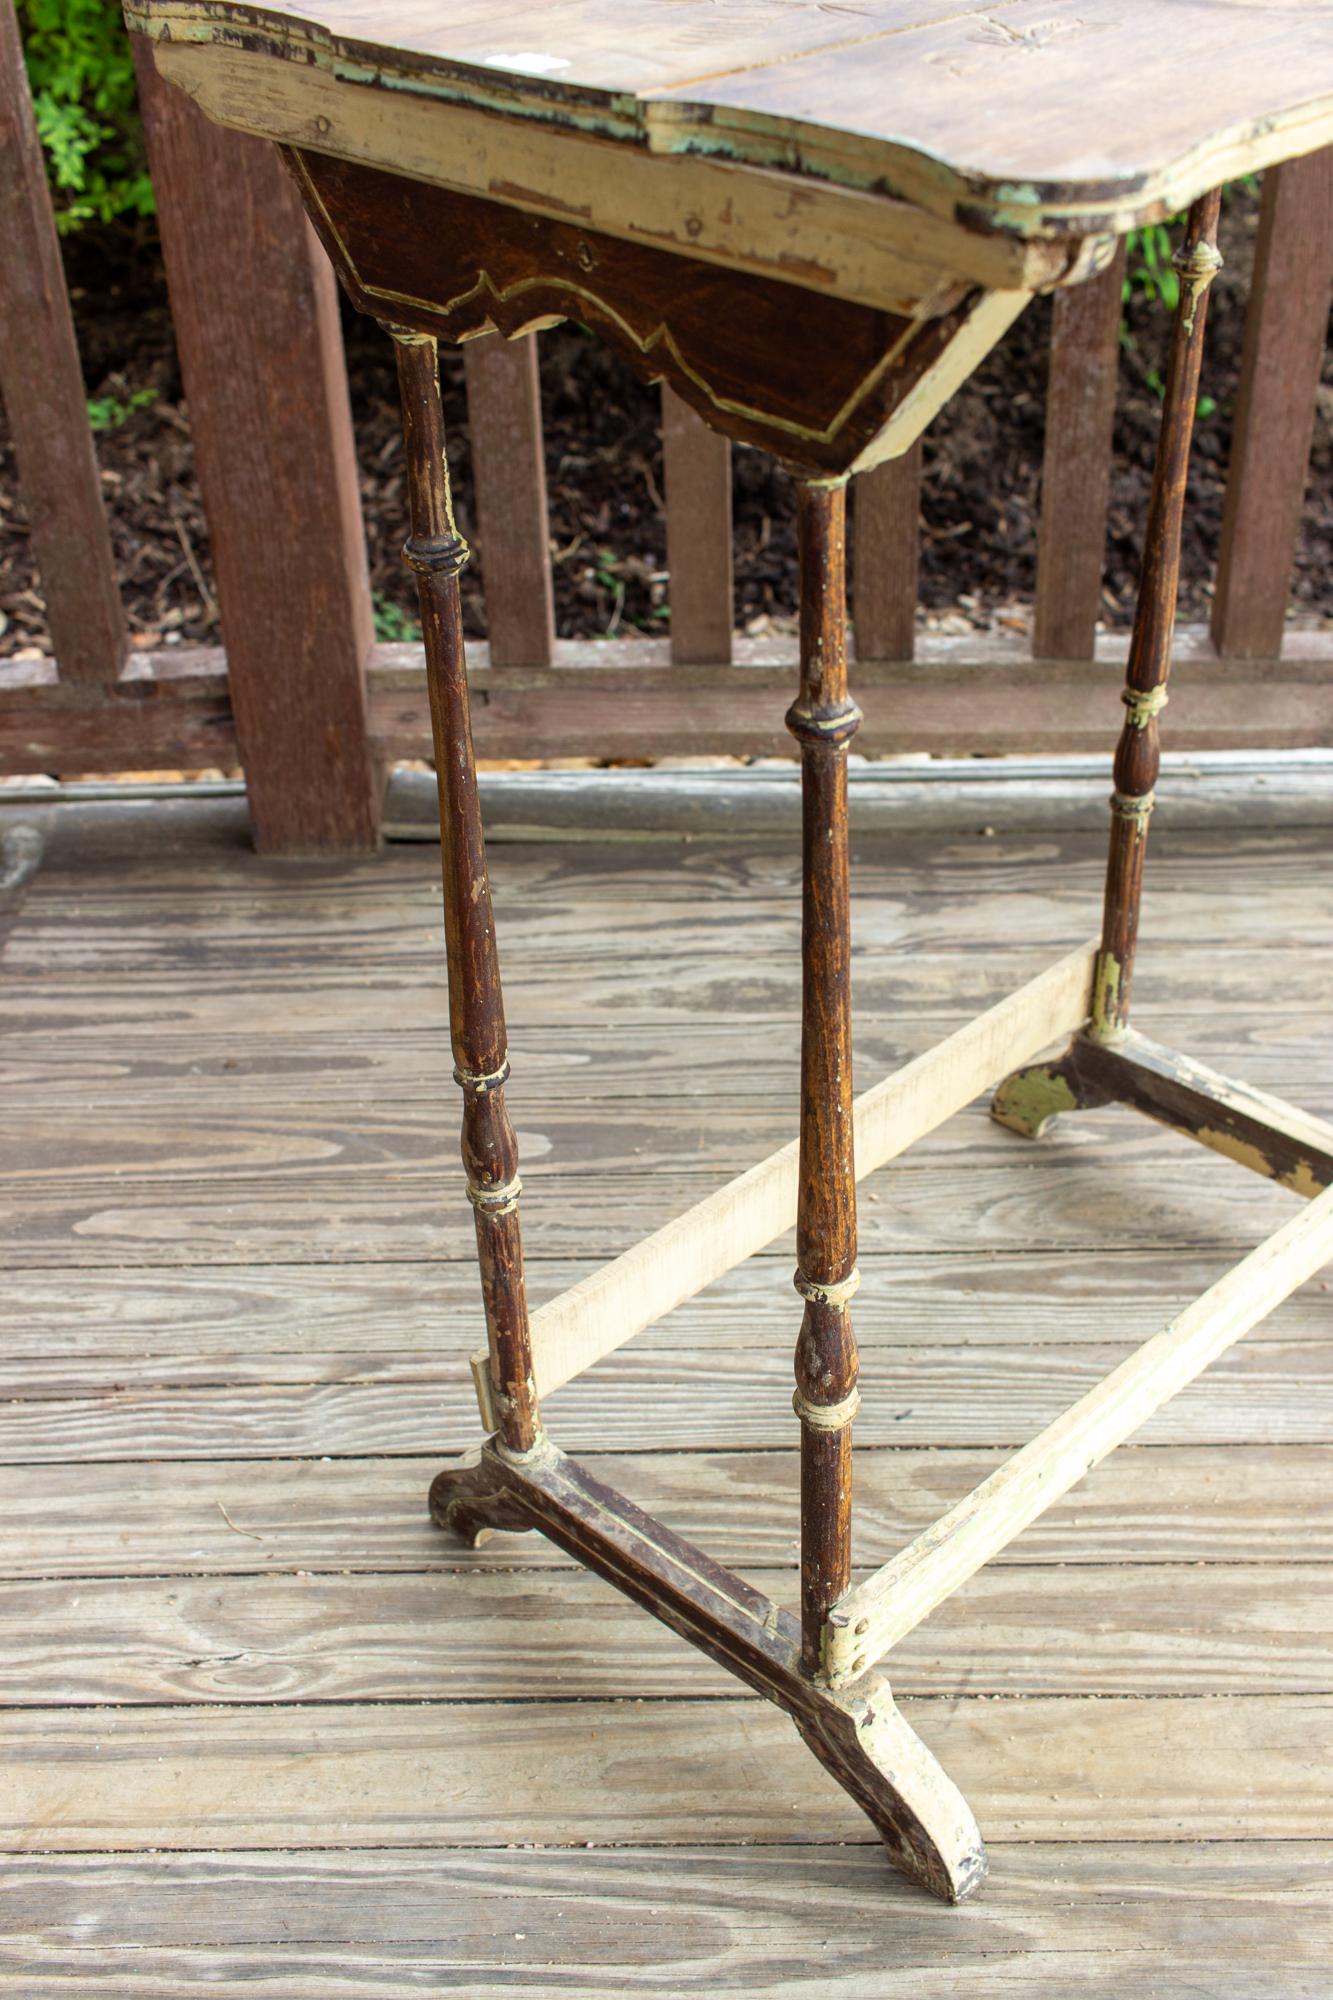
{"x":266,"y":1732}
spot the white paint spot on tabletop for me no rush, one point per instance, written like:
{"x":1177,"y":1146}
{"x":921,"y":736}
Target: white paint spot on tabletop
{"x":528,"y":62}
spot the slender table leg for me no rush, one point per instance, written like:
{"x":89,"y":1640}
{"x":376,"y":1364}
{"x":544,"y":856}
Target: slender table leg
{"x":1138,"y":755}
{"x":824,"y":719}
{"x":1029,"y":1099}
{"x":437,"y":553}
{"x":859,"y":1737}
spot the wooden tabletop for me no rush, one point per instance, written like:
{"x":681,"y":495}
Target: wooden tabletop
{"x":1037,"y":117}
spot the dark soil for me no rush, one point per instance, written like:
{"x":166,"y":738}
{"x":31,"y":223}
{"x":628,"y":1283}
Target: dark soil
{"x":981,"y":485}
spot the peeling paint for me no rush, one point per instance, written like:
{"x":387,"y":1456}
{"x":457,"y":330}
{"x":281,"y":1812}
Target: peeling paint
{"x":1104,"y":1025}
{"x":1301,"y":1178}
{"x":1028,"y":1100}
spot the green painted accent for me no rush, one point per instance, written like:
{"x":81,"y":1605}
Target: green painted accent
{"x":1028,"y":1100}
{"x":1105,"y":997}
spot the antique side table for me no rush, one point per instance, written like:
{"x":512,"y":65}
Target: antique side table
{"x":812,"y":222}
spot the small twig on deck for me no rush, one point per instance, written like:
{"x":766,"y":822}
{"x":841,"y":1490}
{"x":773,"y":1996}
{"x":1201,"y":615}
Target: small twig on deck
{"x":232,"y":1525}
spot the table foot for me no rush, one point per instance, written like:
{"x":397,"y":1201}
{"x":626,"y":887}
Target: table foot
{"x":1030,"y":1099}
{"x":1247,"y":1125}
{"x":859,"y":1737}
{"x":466,"y":1501}
{"x":918,"y":1812}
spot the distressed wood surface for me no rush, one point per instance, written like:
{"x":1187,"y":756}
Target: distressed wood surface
{"x":994,"y":1396}
{"x":625,"y":698}
{"x":696,"y":472}
{"x":437,"y":553}
{"x":1138,"y":758}
{"x":601,"y":1312}
{"x":886,"y":519}
{"x":708,"y":1920}
{"x":320,"y":1318}
{"x":901,"y":96}
{"x":1156,"y":1638}
{"x":393,"y":1776}
{"x":255,"y":313}
{"x":1076,"y":465}
{"x":509,"y":470}
{"x":732,"y":344}
{"x":1149,"y":1505}
{"x":877,"y":1612}
{"x":830,"y":237}
{"x":41,"y":380}
{"x":1286,"y":329}
{"x":450,"y":1633}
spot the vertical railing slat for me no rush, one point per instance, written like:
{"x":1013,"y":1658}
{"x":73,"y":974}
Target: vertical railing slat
{"x":509,"y":468}
{"x":696,"y":470}
{"x":1285,"y":330}
{"x":256,"y":317}
{"x":42,"y":385}
{"x":886,"y":555}
{"x":1076,"y":465}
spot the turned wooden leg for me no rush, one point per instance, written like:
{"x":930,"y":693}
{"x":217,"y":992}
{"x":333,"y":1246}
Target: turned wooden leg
{"x":1028,"y":1100}
{"x":437,"y":553}
{"x":1139,"y":755}
{"x":824,"y":720}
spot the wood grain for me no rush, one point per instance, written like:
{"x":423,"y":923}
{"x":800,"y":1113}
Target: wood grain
{"x":1149,"y":1505}
{"x":41,"y":380}
{"x":509,"y":469}
{"x":624,"y":698}
{"x":871,"y":1617}
{"x":255,"y":315}
{"x":886,"y":551}
{"x":827,"y":237}
{"x":696,"y":469}
{"x":898,"y":97}
{"x":341,"y":1316}
{"x":603,"y":1311}
{"x":128,"y":1779}
{"x":1174,"y":1918}
{"x":995,"y":1396}
{"x":1076,"y":465}
{"x":1132,"y":1643}
{"x":1286,"y":328}
{"x":449,"y":1634}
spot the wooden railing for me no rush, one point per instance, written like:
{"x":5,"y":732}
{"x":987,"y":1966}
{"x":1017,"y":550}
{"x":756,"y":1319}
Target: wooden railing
{"x":314,"y":710}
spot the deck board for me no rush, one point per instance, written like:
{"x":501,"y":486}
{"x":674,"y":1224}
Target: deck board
{"x":239,"y":1299}
{"x":763,"y":1923}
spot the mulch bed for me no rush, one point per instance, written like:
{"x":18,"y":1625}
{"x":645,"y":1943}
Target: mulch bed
{"x":604,"y":468}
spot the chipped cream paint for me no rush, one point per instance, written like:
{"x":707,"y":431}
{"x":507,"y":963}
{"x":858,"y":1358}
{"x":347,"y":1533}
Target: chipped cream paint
{"x":601,"y":1312}
{"x":1301,"y":1178}
{"x":852,"y":243}
{"x":1197,"y":267}
{"x":876,"y":1613}
{"x":671,"y":124}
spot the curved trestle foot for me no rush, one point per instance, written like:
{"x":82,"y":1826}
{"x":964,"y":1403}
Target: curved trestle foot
{"x":919,"y":1813}
{"x":470,"y":1501}
{"x":1029,"y":1099}
{"x":856,"y":1733}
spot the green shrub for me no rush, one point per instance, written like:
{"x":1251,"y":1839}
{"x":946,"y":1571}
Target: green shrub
{"x":82,"y":76}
